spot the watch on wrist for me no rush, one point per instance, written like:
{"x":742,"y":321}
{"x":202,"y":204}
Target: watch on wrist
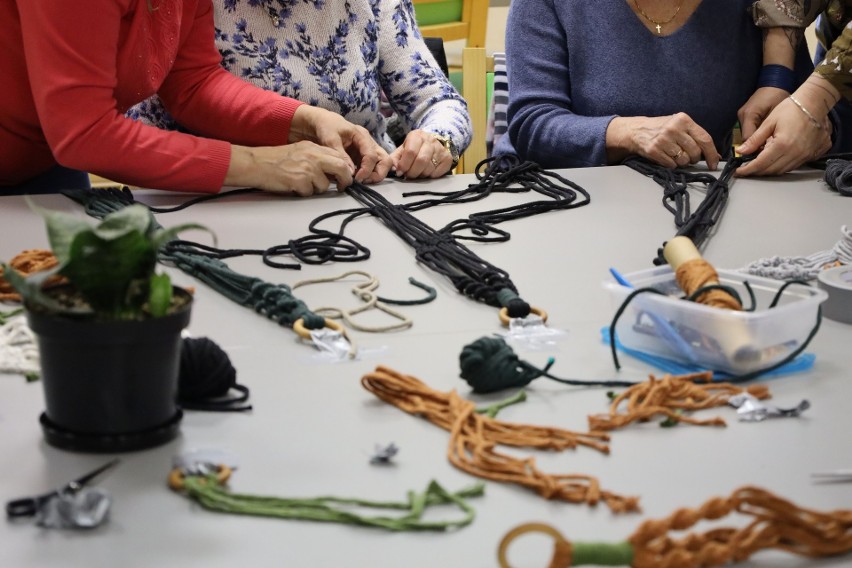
{"x":447,"y":143}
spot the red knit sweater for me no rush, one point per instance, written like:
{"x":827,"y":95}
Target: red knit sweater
{"x":71,"y":69}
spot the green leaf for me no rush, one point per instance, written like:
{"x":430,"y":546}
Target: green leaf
{"x":162,"y":236}
{"x":134,"y":217}
{"x":62,"y":228}
{"x":159,"y":295}
{"x":112,"y":275}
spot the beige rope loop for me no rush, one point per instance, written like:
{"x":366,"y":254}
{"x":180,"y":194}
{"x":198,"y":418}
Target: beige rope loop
{"x":504,"y":314}
{"x":177,"y":477}
{"x":561,"y":547}
{"x":365,"y":292}
{"x":305,"y":333}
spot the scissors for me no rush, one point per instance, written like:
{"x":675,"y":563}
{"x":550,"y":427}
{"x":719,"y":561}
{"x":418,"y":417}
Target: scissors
{"x":29,"y":506}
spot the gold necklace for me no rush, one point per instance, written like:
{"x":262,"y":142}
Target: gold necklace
{"x":657,"y":24}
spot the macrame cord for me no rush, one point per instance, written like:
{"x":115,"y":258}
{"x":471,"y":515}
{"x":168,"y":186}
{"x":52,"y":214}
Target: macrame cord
{"x":212,"y":493}
{"x":364,"y":291}
{"x":804,"y":267}
{"x":772,"y":523}
{"x":697,"y":225}
{"x":489,"y":365}
{"x":475,"y":435}
{"x":838,"y":176}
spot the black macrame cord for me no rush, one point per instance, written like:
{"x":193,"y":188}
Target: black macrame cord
{"x":698,"y":225}
{"x":440,"y":250}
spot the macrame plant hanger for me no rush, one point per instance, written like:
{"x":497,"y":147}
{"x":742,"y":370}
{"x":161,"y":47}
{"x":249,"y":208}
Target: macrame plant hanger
{"x":275,"y":301}
{"x":442,"y":250}
{"x":699,"y":224}
{"x":773,"y":523}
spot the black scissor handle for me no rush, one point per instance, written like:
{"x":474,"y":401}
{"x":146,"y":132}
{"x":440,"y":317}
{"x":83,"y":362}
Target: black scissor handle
{"x":23,"y":507}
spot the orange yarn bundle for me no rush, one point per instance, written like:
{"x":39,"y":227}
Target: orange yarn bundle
{"x":776,"y":524}
{"x":668,"y":397}
{"x":28,"y":262}
{"x":694,"y":274}
{"x":474,"y":437}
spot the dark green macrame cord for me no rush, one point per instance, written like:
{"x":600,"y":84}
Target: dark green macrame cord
{"x":275,"y":301}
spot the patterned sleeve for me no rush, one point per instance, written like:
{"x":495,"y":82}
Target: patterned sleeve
{"x":415,"y":86}
{"x":786,"y":13}
{"x":837,"y":65}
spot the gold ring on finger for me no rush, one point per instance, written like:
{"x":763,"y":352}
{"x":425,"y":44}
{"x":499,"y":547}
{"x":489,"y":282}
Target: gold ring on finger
{"x":678,"y":155}
{"x":435,"y":162}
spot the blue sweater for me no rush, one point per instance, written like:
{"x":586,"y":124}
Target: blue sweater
{"x":574,"y":65}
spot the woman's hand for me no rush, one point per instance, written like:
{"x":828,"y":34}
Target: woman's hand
{"x":421,"y":156}
{"x":303,"y":168}
{"x":671,"y":141}
{"x":790,"y":136}
{"x":370,"y":161}
{"x":757,"y":108}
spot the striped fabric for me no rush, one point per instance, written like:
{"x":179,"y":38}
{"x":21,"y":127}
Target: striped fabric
{"x":497,"y":122}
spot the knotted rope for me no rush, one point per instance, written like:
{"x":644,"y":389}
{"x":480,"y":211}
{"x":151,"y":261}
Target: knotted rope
{"x":317,"y":248}
{"x":275,"y":301}
{"x":440,"y":250}
{"x":18,"y":349}
{"x":364,"y":291}
{"x":474,"y":437}
{"x":489,"y":365}
{"x":670,"y":397}
{"x":774,"y":523}
{"x":838,"y":176}
{"x":804,"y":267}
{"x":212,"y":494}
{"x":444,"y":254}
{"x":699,"y":224}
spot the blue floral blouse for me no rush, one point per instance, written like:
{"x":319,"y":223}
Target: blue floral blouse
{"x":347,"y":56}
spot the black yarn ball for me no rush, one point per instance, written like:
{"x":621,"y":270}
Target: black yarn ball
{"x":207,"y":377}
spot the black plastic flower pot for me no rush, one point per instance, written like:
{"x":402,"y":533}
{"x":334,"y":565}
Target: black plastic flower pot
{"x":110,"y":386}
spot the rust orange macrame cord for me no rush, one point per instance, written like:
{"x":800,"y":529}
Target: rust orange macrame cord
{"x":670,"y":396}
{"x":28,"y":262}
{"x":694,"y":274}
{"x":474,"y":438}
{"x":776,"y":524}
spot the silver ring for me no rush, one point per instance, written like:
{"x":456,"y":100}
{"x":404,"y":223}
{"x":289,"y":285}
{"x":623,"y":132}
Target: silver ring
{"x":435,"y":162}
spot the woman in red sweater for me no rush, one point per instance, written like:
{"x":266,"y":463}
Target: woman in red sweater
{"x":71,"y":70}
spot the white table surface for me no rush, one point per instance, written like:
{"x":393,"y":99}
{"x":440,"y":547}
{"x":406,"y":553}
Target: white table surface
{"x":314,"y":427}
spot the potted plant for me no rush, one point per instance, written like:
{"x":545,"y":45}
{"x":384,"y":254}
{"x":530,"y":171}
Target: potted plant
{"x":110,"y":339}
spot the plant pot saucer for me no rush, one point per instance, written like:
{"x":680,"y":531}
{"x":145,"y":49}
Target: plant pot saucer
{"x":59,"y":437}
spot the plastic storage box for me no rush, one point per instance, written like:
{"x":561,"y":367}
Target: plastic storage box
{"x":717,"y":339}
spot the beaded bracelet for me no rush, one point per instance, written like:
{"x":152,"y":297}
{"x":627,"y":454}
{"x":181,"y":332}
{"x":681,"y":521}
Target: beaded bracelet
{"x":814,"y":121}
{"x":777,"y":76}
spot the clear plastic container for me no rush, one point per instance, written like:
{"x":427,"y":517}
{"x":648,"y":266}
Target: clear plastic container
{"x":713,"y":338}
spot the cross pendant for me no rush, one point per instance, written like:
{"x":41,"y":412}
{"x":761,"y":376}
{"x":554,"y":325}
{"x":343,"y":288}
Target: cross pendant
{"x":658,"y":28}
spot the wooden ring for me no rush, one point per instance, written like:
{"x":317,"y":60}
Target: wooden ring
{"x":305,"y":333}
{"x":176,"y":477}
{"x":522,"y":530}
{"x":504,"y":314}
